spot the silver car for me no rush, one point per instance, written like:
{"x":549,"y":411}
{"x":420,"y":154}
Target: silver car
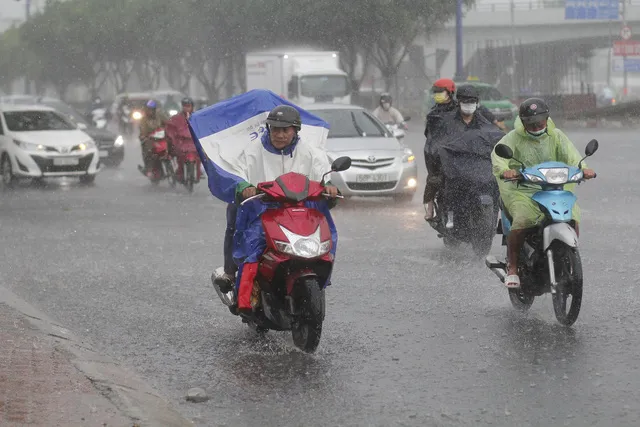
{"x":381,"y":165}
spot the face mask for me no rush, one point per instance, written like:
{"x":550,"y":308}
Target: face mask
{"x":468,"y":109}
{"x":386,"y":105}
{"x":538,"y":132}
{"x":441,"y":97}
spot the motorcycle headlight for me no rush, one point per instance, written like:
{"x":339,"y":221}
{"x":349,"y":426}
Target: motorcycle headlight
{"x":28,"y":146}
{"x":303,"y":246}
{"x":173,"y":112}
{"x":408,"y":156}
{"x":533,"y":178}
{"x":119,"y":142}
{"x":136,"y":115}
{"x":556,"y":175}
{"x":578,"y":176}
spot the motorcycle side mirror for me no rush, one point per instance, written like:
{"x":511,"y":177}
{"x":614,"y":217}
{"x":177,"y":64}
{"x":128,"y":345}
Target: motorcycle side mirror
{"x":591,"y":148}
{"x":341,"y":164}
{"x":406,"y":119}
{"x":504,"y":151}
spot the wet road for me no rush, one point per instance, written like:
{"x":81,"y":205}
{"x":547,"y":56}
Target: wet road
{"x":414,"y":335}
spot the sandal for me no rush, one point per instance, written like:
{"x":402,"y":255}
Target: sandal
{"x":512,"y":281}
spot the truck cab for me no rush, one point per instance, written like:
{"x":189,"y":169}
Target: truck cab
{"x":302,"y":77}
{"x":331,"y":86}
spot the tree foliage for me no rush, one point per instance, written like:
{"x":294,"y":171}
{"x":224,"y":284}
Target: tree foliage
{"x":84,"y":42}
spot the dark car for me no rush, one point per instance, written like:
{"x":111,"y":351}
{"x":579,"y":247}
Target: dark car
{"x":110,"y":145}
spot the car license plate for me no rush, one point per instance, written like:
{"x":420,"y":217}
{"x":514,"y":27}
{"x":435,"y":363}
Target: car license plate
{"x":66,"y":161}
{"x":372,"y":178}
{"x":104,"y":153}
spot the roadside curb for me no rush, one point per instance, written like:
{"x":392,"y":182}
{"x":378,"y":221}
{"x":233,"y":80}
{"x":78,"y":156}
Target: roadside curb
{"x":121,"y":386}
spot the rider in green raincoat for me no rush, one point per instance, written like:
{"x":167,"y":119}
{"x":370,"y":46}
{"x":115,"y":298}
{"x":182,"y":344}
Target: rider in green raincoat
{"x":534,"y":139}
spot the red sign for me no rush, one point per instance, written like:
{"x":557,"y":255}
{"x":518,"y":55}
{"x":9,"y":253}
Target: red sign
{"x":626,"y":48}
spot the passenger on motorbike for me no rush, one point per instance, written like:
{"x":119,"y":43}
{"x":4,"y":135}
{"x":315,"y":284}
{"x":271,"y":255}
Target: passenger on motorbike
{"x":388,"y":114}
{"x":280,"y":151}
{"x":443,"y":91}
{"x":151,"y":121}
{"x":535,"y":139}
{"x":178,"y":133}
{"x":465,"y":118}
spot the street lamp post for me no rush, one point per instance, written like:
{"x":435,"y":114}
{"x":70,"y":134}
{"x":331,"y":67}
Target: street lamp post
{"x":459,"y":63}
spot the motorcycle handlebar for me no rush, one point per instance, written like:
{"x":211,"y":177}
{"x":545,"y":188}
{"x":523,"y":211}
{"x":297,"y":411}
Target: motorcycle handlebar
{"x":260,"y":195}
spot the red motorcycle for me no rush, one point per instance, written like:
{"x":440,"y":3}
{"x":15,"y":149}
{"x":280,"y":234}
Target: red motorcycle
{"x":161,"y":166}
{"x":288,"y":293}
{"x":188,"y":169}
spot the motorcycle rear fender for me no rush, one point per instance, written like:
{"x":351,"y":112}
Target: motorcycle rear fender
{"x":559,"y":231}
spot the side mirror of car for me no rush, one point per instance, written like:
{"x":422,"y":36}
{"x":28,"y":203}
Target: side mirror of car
{"x":504,"y":151}
{"x":341,"y":164}
{"x":591,"y":148}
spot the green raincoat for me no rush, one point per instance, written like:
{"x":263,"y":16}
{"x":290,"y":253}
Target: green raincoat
{"x":553,"y":146}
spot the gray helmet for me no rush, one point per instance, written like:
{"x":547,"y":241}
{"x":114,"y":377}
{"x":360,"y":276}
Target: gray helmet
{"x":284,"y":116}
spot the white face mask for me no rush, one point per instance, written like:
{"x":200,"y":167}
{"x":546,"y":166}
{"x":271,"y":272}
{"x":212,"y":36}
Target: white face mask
{"x":538,"y":132}
{"x":468,"y":109}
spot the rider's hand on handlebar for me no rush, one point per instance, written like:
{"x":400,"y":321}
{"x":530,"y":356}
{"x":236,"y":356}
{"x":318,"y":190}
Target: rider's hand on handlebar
{"x":511,"y":174}
{"x":249,"y":192}
{"x":588,"y":173}
{"x":331,"y":191}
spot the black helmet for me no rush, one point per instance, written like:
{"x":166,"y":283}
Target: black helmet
{"x":186,"y":101}
{"x":284,"y":116}
{"x":385,"y":97}
{"x":468,"y":92}
{"x":533,"y":110}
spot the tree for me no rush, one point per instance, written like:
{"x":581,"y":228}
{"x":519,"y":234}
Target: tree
{"x":13,"y":58}
{"x":57,"y":46}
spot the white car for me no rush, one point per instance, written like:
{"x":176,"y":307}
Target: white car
{"x":381,"y":164}
{"x":39,"y":142}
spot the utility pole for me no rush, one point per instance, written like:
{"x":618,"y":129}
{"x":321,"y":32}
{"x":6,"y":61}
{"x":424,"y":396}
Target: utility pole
{"x":625,"y":89}
{"x":514,"y":88}
{"x":27,"y":81}
{"x":459,"y":63}
{"x":609,"y":53}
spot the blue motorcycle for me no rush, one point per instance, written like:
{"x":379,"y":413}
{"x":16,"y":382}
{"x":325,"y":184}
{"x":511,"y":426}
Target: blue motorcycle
{"x":549,"y":260}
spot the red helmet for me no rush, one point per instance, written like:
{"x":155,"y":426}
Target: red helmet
{"x":447,"y":84}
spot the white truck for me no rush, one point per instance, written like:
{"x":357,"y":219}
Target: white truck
{"x":302,"y":77}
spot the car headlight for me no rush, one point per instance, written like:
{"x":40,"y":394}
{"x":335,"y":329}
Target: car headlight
{"x":303,"y":246}
{"x":119,"y":142}
{"x":86,"y":145}
{"x":408,"y":156}
{"x":28,"y":146}
{"x":556,"y":175}
{"x":173,"y":112}
{"x":578,"y":176}
{"x":533,"y":178}
{"x":136,"y":115}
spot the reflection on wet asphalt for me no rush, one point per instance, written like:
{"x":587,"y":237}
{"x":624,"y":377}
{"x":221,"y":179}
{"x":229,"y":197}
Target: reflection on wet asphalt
{"x":414,"y":336}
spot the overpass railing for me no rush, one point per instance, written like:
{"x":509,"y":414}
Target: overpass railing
{"x":505,"y":5}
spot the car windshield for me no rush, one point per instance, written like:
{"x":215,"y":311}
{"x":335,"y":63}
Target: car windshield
{"x":137,"y":104}
{"x":324,"y":85}
{"x":488,"y":93}
{"x":28,"y":121}
{"x":351,"y":123}
{"x":71,"y":112}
